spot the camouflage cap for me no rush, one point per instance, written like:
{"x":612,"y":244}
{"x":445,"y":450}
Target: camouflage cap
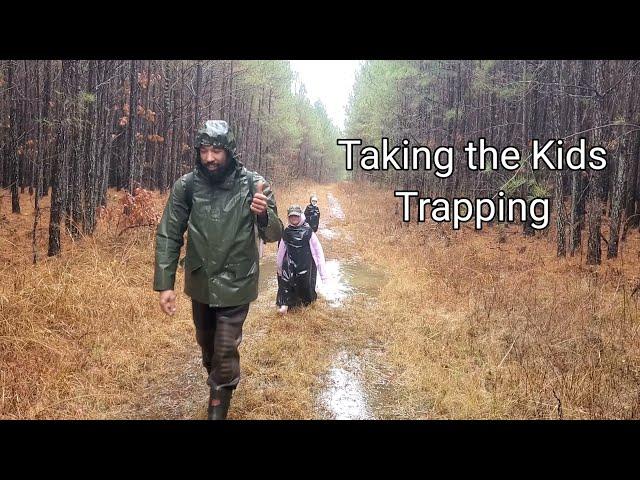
{"x":216,"y":133}
{"x":294,"y":210}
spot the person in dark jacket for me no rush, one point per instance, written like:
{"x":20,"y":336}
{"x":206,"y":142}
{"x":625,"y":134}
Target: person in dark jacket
{"x":312,"y":213}
{"x":224,"y":208}
{"x":300,"y":258}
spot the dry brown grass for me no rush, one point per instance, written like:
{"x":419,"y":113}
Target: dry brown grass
{"x":482,"y":329}
{"x":471,"y":328}
{"x":78,"y":333}
{"x":81,"y":335}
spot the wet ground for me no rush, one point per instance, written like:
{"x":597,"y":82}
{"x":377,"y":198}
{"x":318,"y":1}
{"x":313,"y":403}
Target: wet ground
{"x":357,"y":386}
{"x":334,"y":207}
{"x":345,"y":398}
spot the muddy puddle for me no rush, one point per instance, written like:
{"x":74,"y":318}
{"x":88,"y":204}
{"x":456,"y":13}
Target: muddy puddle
{"x":348,"y":279}
{"x":345,"y":280}
{"x":267,"y":279}
{"x":356,"y":387}
{"x":344,"y":398}
{"x":334,"y":207}
{"x":327,"y":233}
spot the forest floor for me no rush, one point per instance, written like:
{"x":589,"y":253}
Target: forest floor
{"x":418,"y":321}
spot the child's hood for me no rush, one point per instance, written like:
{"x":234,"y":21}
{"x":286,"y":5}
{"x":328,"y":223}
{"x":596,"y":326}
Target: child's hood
{"x":302,"y":220}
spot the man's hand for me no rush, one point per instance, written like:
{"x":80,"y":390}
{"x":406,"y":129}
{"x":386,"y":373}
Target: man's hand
{"x":168,"y":302}
{"x":259,"y":202}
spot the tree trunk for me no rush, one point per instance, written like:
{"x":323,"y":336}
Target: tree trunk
{"x":166,"y":113}
{"x":561,"y":215}
{"x":133,"y":114}
{"x":196,"y":101}
{"x":594,"y":217}
{"x":13,"y":144}
{"x":76,"y":174}
{"x":42,"y":114}
{"x":578,"y":184}
{"x":619,"y":181}
{"x":89,"y":153}
{"x":58,"y":168}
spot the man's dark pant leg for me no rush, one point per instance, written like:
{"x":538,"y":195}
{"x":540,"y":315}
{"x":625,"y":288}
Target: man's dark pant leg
{"x":219,"y":333}
{"x":204,"y":319}
{"x":225,"y":370}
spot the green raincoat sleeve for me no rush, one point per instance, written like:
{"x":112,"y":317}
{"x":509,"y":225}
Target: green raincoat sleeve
{"x":170,"y":237}
{"x":269,"y":227}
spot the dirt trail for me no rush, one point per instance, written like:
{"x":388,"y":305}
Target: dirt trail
{"x":356,"y":387}
{"x":354,"y":383}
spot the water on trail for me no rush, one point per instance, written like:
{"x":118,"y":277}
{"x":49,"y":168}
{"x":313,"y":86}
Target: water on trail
{"x":357,"y":385}
{"x":344,"y":396}
{"x":334,"y":207}
{"x":327,"y":233}
{"x":346,"y":279}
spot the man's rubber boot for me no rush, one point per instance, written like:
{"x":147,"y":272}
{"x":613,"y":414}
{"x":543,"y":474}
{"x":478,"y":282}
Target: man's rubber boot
{"x":219,"y":401}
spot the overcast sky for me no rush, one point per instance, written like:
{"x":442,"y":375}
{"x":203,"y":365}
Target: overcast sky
{"x":329,"y":81}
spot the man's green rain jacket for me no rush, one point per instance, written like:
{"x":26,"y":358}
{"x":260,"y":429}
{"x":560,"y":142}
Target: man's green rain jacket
{"x":221,"y":261}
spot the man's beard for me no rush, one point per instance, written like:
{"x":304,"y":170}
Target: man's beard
{"x":219,"y":174}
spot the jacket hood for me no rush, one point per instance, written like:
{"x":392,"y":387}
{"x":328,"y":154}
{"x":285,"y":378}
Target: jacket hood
{"x":302,"y":220}
{"x":216,"y":133}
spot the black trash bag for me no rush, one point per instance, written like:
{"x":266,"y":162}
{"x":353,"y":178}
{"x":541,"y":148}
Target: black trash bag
{"x":297,"y":284}
{"x":312,"y":214}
